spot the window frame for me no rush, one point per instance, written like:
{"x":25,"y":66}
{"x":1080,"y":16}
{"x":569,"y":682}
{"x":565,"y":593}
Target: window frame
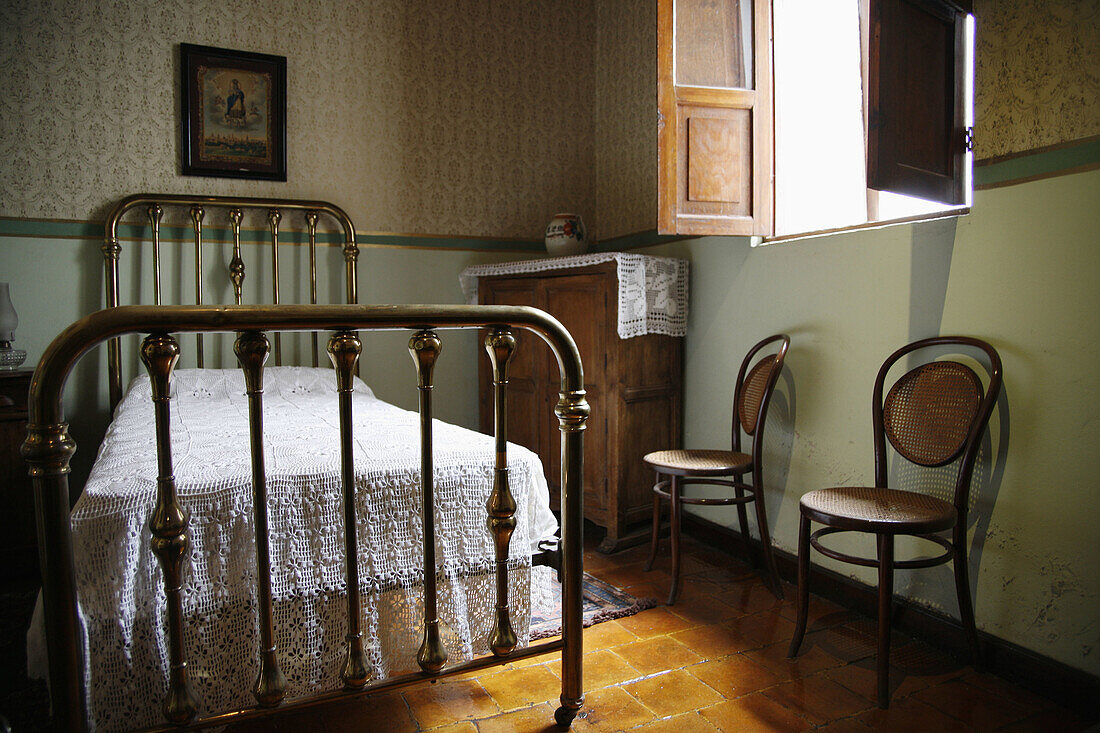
{"x":673,"y":157}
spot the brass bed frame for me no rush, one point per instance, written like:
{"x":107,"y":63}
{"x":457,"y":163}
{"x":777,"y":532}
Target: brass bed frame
{"x":49,"y":447}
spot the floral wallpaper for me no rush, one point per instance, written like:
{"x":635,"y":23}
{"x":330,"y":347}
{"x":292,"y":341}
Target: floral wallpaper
{"x":470,"y":117}
{"x":626,"y":117}
{"x":1037,"y":74}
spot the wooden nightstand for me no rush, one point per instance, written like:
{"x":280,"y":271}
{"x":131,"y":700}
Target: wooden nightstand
{"x":18,"y":533}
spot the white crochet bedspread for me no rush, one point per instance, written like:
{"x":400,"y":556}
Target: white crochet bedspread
{"x":121,"y":586}
{"x":653,"y":291}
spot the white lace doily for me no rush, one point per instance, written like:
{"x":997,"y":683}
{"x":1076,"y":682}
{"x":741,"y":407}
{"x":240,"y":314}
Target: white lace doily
{"x":653,"y":291}
{"x":120,"y":583}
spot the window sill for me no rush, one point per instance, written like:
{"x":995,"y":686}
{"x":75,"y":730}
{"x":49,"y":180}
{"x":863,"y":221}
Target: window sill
{"x":781,"y":238}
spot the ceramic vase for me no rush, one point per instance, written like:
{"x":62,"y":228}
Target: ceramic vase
{"x":10,"y":358}
{"x":566,"y":235}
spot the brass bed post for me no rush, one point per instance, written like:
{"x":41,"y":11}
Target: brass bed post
{"x":425,"y":347}
{"x":344,"y":349}
{"x":47,"y":451}
{"x":351,"y":260}
{"x":155,"y":212}
{"x":311,"y":226}
{"x":170,"y":541}
{"x":111,"y":250}
{"x":197,"y":213}
{"x":273,"y":217}
{"x":572,"y":411}
{"x":252,"y":349}
{"x":236,"y":265}
{"x":501,"y":345}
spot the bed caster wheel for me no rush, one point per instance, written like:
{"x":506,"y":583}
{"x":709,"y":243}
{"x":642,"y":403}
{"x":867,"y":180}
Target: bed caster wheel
{"x":563,"y":716}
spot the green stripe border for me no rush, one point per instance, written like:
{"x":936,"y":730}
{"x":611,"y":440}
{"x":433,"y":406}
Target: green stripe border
{"x":1063,"y":159}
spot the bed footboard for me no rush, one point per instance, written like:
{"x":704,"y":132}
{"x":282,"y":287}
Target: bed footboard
{"x":48,"y":448}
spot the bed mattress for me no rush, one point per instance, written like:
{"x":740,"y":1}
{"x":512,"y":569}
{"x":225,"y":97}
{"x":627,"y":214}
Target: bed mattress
{"x":120,"y":584}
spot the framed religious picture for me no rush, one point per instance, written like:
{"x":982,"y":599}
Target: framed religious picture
{"x":233,"y":109}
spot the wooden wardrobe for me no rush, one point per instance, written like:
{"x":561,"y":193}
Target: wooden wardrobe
{"x":634,"y":389}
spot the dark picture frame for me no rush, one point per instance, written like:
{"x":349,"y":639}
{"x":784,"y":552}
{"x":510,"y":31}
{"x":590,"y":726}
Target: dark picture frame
{"x":232,"y":113}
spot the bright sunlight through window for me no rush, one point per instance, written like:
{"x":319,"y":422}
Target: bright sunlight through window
{"x":820,"y":143}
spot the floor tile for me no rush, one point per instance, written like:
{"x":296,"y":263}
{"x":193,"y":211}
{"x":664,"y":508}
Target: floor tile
{"x":845,"y":725}
{"x":704,"y":609}
{"x":602,"y":668}
{"x":818,"y":699}
{"x":733,"y":676}
{"x":534,"y":719}
{"x":712,"y":641}
{"x":654,"y":622}
{"x":516,"y":688}
{"x":607,"y":635}
{"x":672,"y":693}
{"x":465,"y":726}
{"x":611,"y":709}
{"x":1051,"y":719}
{"x":448,"y":702}
{"x":657,"y":655}
{"x":841,"y":642}
{"x":683,"y":723}
{"x":763,"y":629}
{"x":820,"y":614}
{"x":386,"y":713}
{"x":910,"y":715}
{"x":807,"y":662}
{"x":755,"y":713}
{"x":750,"y":596}
{"x":975,"y":706}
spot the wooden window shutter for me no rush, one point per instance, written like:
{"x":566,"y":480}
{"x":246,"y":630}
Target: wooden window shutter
{"x":916,"y":127}
{"x":714,"y":97}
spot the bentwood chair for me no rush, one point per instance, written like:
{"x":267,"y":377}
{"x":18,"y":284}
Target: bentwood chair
{"x":676,"y":468}
{"x":933,"y":415}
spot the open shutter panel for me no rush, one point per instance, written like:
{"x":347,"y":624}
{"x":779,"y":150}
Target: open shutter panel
{"x":715,"y":124}
{"x":916,"y":127}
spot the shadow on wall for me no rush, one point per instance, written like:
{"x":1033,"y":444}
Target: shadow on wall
{"x":933,"y":245}
{"x":779,"y":445}
{"x":935,"y":586}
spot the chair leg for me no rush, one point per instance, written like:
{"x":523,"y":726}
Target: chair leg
{"x":674,"y":532}
{"x":885,"y":604}
{"x":743,"y":518}
{"x":766,"y":542}
{"x":655,"y":537}
{"x":803,"y":585}
{"x":962,"y":588}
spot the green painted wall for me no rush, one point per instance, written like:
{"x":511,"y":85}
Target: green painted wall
{"x":1019,"y":271}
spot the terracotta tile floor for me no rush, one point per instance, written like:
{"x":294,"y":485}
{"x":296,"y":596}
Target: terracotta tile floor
{"x":716,"y":661}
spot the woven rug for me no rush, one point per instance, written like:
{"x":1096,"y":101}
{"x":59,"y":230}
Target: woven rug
{"x":602,"y":602}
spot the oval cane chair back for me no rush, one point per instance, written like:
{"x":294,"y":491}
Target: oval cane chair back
{"x":936,"y":412}
{"x":753,"y":390}
{"x":928,"y":413}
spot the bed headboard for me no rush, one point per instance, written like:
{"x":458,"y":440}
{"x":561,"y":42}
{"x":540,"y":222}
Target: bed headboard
{"x":224,"y":210}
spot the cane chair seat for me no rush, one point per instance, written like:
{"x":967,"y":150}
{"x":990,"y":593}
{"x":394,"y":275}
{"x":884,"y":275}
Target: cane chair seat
{"x":699,"y":462}
{"x":878,"y":510}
